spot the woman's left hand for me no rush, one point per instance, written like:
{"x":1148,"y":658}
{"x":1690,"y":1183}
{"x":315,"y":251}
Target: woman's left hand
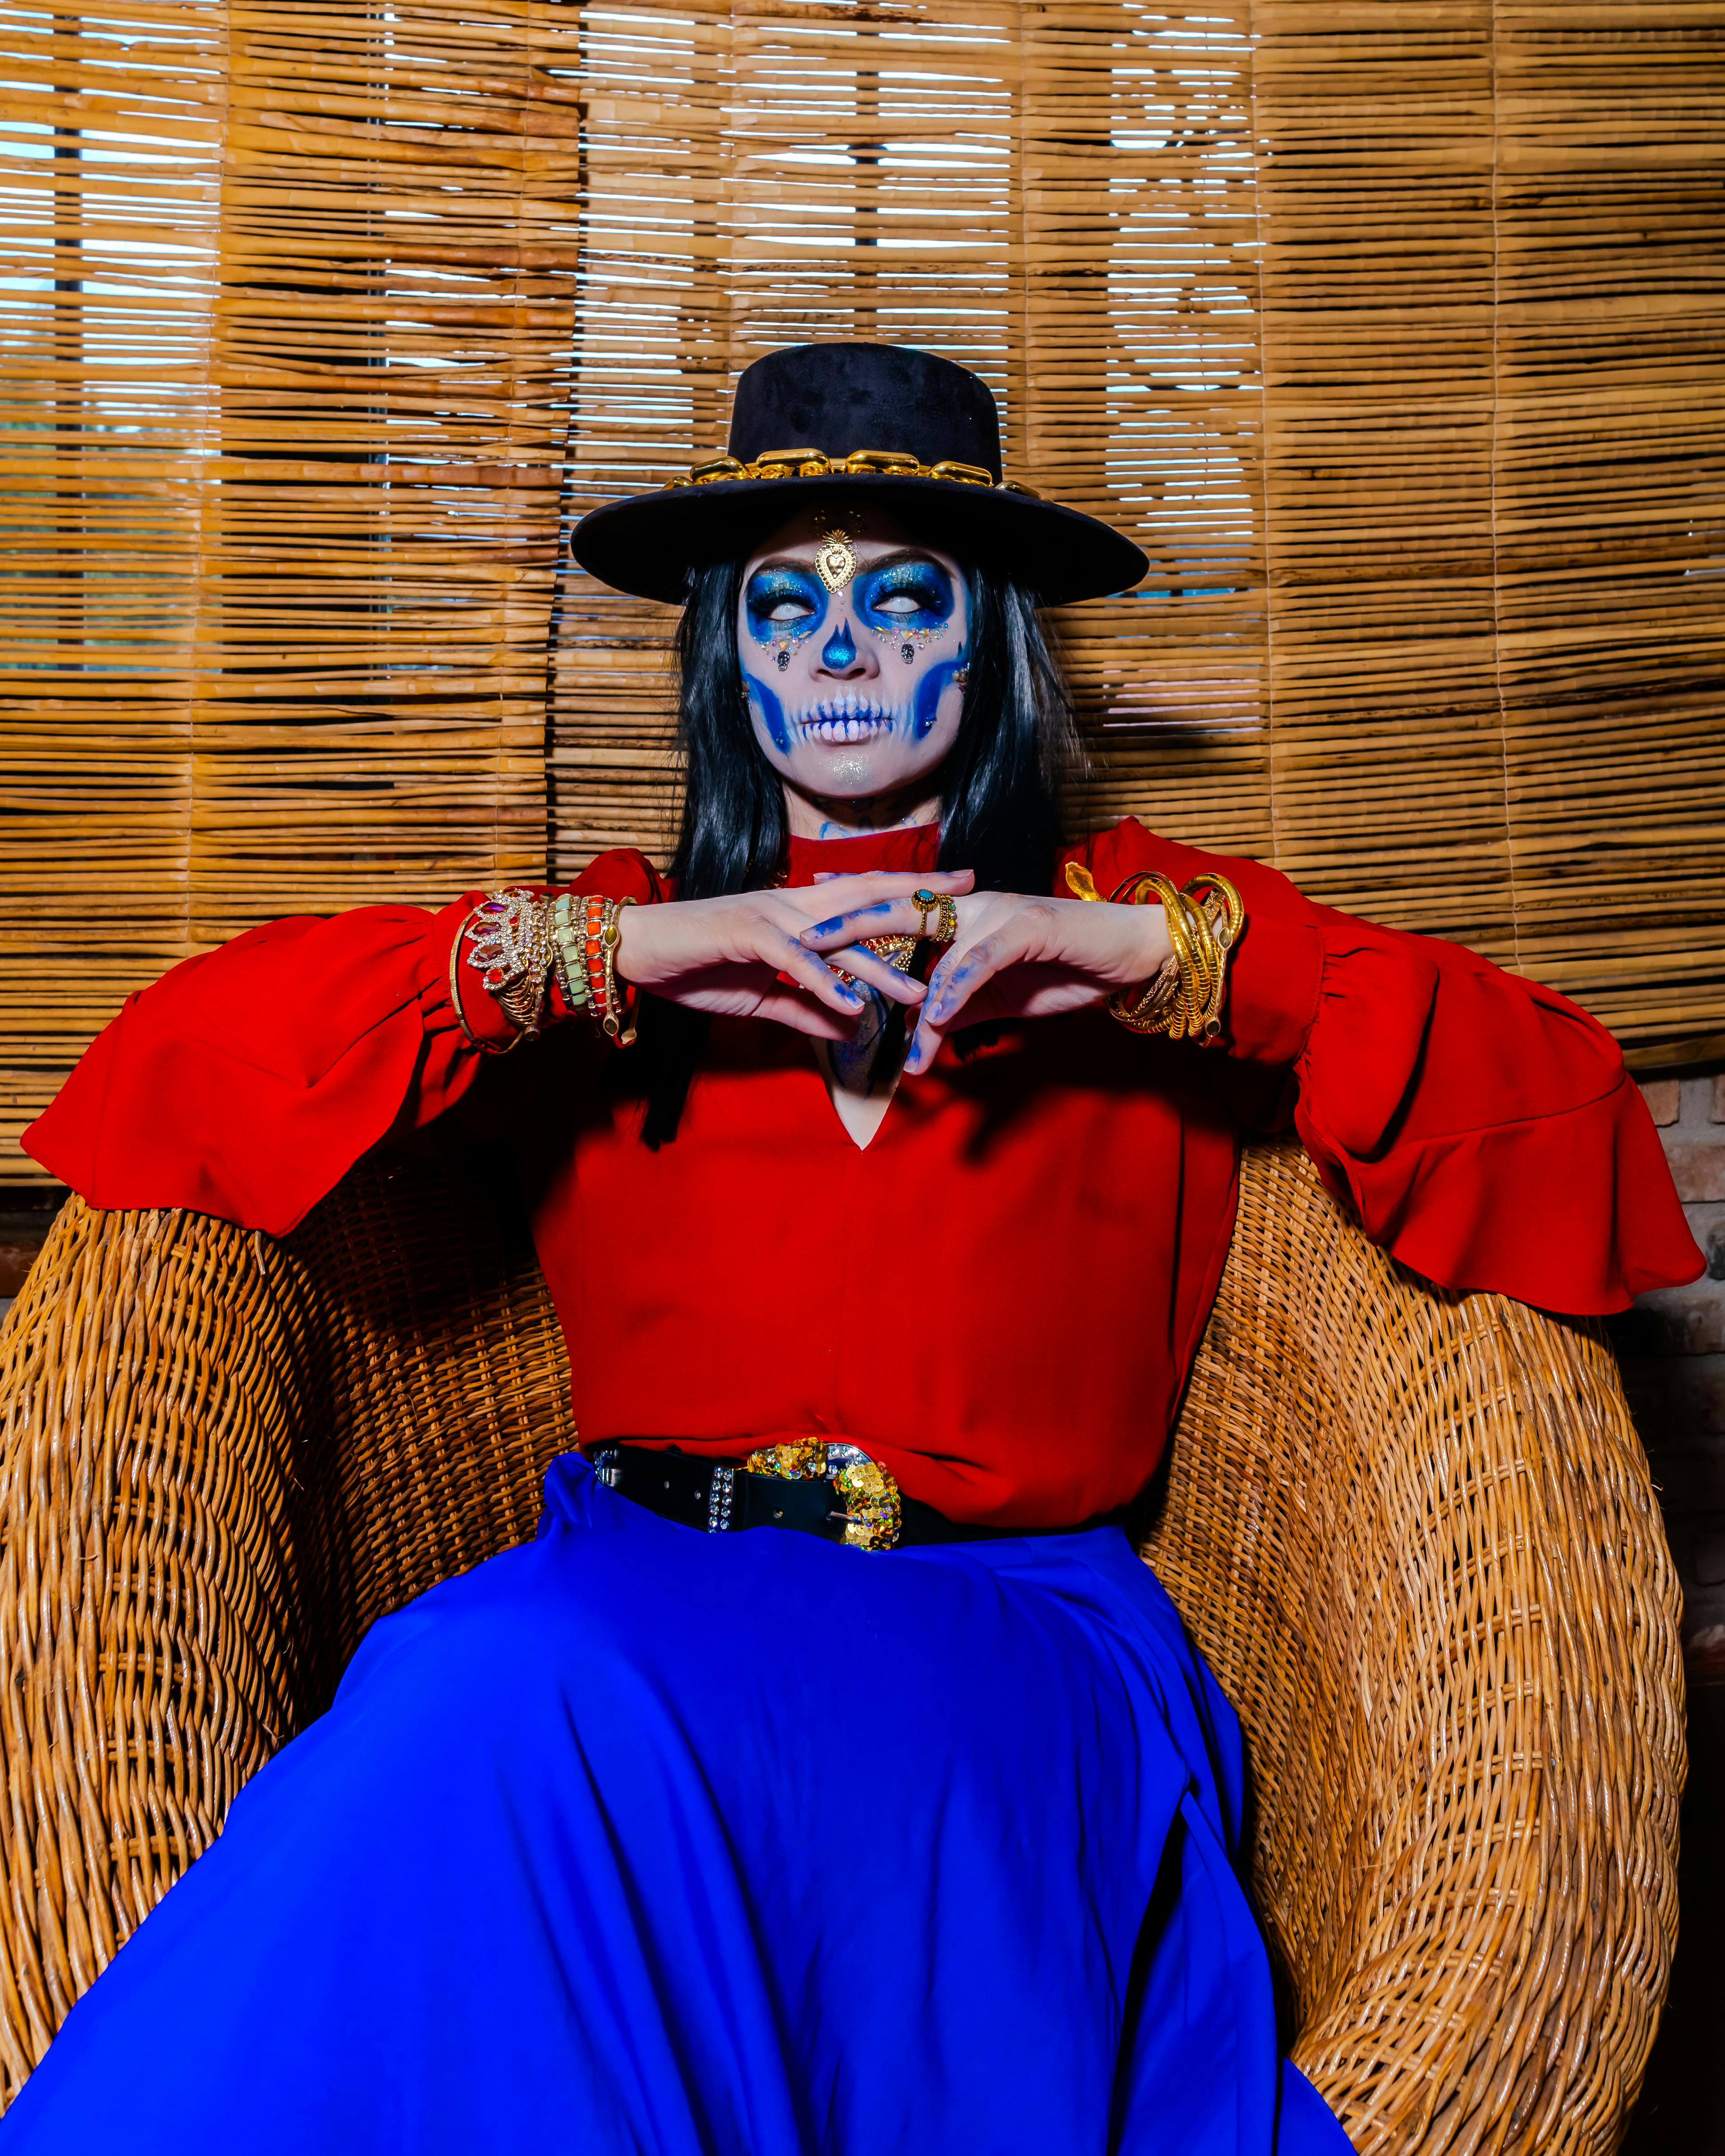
{"x":1013,"y":956}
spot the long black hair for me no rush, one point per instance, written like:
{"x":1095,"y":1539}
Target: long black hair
{"x":1000,"y":785}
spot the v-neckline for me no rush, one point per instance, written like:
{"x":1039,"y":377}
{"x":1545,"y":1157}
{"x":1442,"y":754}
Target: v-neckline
{"x":913,"y":847}
{"x":877,"y":1104}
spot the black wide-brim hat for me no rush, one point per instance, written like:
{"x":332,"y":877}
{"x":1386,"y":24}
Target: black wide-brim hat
{"x":906,"y":432}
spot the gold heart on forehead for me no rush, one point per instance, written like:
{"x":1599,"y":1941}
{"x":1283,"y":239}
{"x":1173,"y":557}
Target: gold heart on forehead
{"x":836,"y":561}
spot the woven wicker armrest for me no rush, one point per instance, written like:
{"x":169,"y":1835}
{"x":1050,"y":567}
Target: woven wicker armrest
{"x":1416,"y":1534}
{"x":221,"y":1458}
{"x":152,"y":1379}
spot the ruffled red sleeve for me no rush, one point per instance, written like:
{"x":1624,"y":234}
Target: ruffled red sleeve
{"x":247,"y":1082}
{"x":1482,"y":1128}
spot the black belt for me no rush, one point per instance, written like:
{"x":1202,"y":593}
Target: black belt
{"x":718,"y":1496}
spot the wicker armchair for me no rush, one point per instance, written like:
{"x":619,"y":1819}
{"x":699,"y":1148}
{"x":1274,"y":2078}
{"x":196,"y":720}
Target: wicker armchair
{"x":1414,"y":1532}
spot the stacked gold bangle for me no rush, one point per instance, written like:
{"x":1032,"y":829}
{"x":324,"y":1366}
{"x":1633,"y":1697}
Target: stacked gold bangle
{"x":518,"y":941}
{"x":1205,"y":919}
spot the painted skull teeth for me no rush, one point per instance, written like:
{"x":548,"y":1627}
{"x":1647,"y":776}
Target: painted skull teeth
{"x":835,"y":732}
{"x":840,"y":719}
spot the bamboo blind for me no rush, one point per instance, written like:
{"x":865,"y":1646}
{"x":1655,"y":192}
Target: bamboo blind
{"x":285,"y":407}
{"x":1391,"y":331}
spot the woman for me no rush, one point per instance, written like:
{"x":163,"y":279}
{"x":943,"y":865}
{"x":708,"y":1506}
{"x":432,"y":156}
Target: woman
{"x":687,"y":1827}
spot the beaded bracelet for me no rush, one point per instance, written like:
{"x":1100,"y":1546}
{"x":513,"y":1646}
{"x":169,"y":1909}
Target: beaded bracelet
{"x":567,"y":935}
{"x":519,"y":941}
{"x":612,"y":1010}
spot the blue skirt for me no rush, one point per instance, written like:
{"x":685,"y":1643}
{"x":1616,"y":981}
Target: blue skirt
{"x":641,"y":1842}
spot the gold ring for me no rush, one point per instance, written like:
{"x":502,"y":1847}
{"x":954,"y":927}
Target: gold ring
{"x":927,"y":902}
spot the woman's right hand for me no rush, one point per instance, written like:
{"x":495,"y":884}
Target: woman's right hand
{"x":741,"y":956}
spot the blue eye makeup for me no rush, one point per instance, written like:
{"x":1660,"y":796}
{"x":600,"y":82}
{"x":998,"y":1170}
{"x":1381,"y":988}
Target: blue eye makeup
{"x":784,"y":605}
{"x":913,"y":596}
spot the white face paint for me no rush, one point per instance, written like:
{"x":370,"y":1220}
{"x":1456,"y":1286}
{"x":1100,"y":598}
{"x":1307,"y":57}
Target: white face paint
{"x":853,"y":655}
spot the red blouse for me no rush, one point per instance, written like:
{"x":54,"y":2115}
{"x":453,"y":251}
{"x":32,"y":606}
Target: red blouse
{"x":999,"y":1298}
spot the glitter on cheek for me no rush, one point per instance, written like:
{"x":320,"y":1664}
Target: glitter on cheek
{"x":908,"y":606}
{"x":773,"y":590}
{"x":769,"y":633}
{"x":782,"y":638}
{"x":900,"y":629}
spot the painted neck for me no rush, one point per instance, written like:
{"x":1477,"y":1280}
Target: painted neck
{"x":815,"y":816}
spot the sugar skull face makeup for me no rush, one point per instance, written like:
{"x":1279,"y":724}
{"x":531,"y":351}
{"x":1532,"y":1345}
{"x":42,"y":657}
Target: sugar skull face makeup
{"x":853,"y":644}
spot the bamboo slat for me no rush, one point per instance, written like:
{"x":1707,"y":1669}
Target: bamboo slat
{"x":1490,"y":294}
{"x":279,"y":493}
{"x":1393,"y":334}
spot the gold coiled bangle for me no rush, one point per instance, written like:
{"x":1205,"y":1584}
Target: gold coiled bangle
{"x":1204,"y":918}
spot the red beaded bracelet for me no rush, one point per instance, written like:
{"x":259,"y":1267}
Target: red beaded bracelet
{"x":612,"y":1008}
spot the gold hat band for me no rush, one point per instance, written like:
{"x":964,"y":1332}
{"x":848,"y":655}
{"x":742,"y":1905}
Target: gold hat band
{"x":861,"y":464}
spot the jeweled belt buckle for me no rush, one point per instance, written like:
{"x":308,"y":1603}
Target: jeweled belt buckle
{"x":868,"y":1497}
